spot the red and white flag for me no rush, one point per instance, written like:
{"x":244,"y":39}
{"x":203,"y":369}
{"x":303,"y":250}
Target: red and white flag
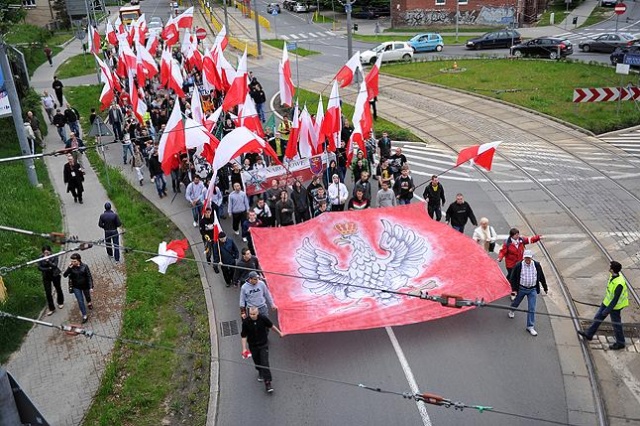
{"x":225,"y":70}
{"x":332,"y":123}
{"x":308,"y":137}
{"x":372,"y":78}
{"x":185,"y":19}
{"x":172,"y":140}
{"x":345,"y":75}
{"x":210,"y":78}
{"x":152,"y":44}
{"x":175,"y":79}
{"x":249,"y":117}
{"x":221,"y":39}
{"x":119,"y":26}
{"x":294,"y":134}
{"x":361,"y":123}
{"x":287,"y":89}
{"x":94,"y":40}
{"x":145,"y":63}
{"x":239,"y":88}
{"x":106,"y":96}
{"x":217,"y":229}
{"x":196,"y":106}
{"x":168,"y":254}
{"x":170,"y":33}
{"x":240,"y":141}
{"x":165,"y":66}
{"x":138,"y":105}
{"x":111,"y":34}
{"x":196,"y":136}
{"x":481,"y":155}
{"x":317,"y":126}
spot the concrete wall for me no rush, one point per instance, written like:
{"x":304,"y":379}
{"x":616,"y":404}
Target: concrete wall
{"x":420,"y":13}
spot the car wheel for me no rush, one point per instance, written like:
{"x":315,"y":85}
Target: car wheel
{"x":439,"y":48}
{"x":517,"y":53}
{"x":477,"y":46}
{"x":373,"y":60}
{"x":553,"y":55}
{"x":586,"y":48}
{"x":414,"y":49}
{"x":406,"y":57}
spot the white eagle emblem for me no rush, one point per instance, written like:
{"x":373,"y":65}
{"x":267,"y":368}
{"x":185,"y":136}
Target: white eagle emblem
{"x":367,"y":270}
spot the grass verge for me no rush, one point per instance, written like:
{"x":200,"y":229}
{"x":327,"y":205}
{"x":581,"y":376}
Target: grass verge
{"x":448,"y":40}
{"x":598,"y":14}
{"x":143,"y":385}
{"x":319,"y":18}
{"x":30,"y":40}
{"x":380,"y":125}
{"x":26,"y":207}
{"x":442,"y":29}
{"x":560,"y":9}
{"x":545,"y":86}
{"x":299,"y":51}
{"x":77,"y":66}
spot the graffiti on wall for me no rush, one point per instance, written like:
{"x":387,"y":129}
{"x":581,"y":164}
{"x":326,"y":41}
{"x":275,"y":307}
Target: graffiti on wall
{"x":486,"y":15}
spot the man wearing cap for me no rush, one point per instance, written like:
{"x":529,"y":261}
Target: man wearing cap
{"x":616,"y":299}
{"x":255,"y":293}
{"x":527,"y":276}
{"x":225,"y":253}
{"x":109,"y":221}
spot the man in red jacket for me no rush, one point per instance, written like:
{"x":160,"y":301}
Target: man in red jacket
{"x":512,"y":252}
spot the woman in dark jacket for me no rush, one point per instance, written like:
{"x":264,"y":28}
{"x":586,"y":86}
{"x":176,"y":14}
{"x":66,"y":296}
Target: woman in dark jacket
{"x":301,"y":202}
{"x":80,"y":283}
{"x":51,"y":276}
{"x":331,"y":170}
{"x":73,"y":176}
{"x":157,"y":175}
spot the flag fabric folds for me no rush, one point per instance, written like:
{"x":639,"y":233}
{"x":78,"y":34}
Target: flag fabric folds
{"x":482,"y":155}
{"x":285,"y":82}
{"x":344,"y":77}
{"x":170,"y":253}
{"x":372,"y":78}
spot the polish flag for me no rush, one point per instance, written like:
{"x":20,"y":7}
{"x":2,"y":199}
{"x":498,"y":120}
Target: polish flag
{"x":196,"y":136}
{"x":196,"y":106}
{"x":217,"y":229}
{"x":168,"y":254}
{"x":185,"y":19}
{"x":170,"y":33}
{"x":225,"y":70}
{"x":141,"y":29}
{"x":127,"y":56}
{"x":175,"y":78}
{"x":332,"y":122}
{"x":240,"y":141}
{"x":221,"y":39}
{"x":210,"y":77}
{"x":105,"y":72}
{"x":317,"y":127}
{"x":119,"y":26}
{"x":308,"y":138}
{"x":145,"y":60}
{"x":239,"y":88}
{"x":172,"y":141}
{"x":212,"y":119}
{"x":361,"y":124}
{"x":249,"y":117}
{"x":138,"y":105}
{"x":346,"y":73}
{"x":165,"y":66}
{"x":111,"y":33}
{"x":94,"y":40}
{"x":106,"y":96}
{"x":294,"y":133}
{"x":481,"y":155}
{"x":372,"y":78}
{"x":287,"y":90}
{"x":152,"y":44}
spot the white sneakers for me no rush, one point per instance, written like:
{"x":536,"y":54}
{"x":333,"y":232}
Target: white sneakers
{"x":511,"y":314}
{"x":532,"y":331}
{"x":195,"y":224}
{"x":236,"y":232}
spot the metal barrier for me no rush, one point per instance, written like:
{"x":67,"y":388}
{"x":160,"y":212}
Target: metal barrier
{"x":252,"y":49}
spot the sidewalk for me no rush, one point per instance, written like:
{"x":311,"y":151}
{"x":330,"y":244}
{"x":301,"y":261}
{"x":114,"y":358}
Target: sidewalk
{"x":62,"y":373}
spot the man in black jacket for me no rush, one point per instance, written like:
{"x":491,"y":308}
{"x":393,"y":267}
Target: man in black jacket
{"x":434,"y":196}
{"x":527,"y":276}
{"x":459,"y":212}
{"x":60,"y":122}
{"x":110,"y":221}
{"x":255,"y":341}
{"x":225,"y":253}
{"x":51,"y":276}
{"x":80,"y":283}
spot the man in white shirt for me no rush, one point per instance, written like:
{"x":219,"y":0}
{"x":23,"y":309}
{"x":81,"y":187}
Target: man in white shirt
{"x":338,"y":194}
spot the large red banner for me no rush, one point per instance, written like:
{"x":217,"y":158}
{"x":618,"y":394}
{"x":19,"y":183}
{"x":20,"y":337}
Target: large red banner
{"x":335,"y":263}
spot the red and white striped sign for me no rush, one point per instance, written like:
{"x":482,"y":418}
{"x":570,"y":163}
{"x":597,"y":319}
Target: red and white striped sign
{"x":606,"y":94}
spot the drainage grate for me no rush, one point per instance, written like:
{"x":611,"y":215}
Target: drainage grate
{"x":229,"y":328}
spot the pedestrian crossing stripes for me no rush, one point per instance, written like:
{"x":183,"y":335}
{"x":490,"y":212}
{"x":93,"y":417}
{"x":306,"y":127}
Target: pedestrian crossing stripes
{"x":591,"y":33}
{"x":627,"y":141}
{"x":308,"y":36}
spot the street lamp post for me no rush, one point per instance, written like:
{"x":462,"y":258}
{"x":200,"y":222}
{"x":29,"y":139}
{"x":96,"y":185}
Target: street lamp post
{"x":257,"y":17}
{"x":457,"y":17}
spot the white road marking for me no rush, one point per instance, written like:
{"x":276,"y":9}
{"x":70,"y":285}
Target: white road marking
{"x":312,"y":35}
{"x":422,"y":409}
{"x":293,"y":36}
{"x":285,"y":37}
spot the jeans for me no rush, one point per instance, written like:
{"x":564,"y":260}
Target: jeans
{"x":62,"y":133}
{"x":403,"y":201}
{"x":48,"y":282}
{"x":112,"y":241}
{"x":75,"y":128}
{"x":260,"y":355}
{"x":531,"y":294}
{"x":196,"y":211}
{"x":616,"y":318}
{"x":458,"y":228}
{"x":260,"y":111}
{"x":126,"y":148}
{"x":117,"y":130}
{"x":80,"y":296}
{"x":161,"y":184}
{"x":435,"y":212}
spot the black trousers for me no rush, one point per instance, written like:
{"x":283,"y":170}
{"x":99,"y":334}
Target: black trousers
{"x":55,"y":282}
{"x":112,"y":241}
{"x":76,"y":192}
{"x":227,"y":273}
{"x":260,"y":355}
{"x":302,"y":216}
{"x":435,"y":212}
{"x":237,"y":220}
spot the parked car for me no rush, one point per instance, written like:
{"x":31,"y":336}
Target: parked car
{"x":426,"y":42}
{"x":300,"y":7}
{"x":544,"y":47}
{"x":610,"y":3}
{"x":155,"y":25}
{"x":617,"y":57}
{"x":288,"y":4}
{"x":365,"y":13}
{"x":390,"y":51}
{"x":607,"y":42}
{"x":495,"y":39}
{"x":273,"y":6}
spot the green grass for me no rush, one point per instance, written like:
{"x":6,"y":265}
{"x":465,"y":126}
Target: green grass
{"x":545,"y":86}
{"x":598,"y":14}
{"x":30,"y":40}
{"x":380,"y":125}
{"x":59,"y":38}
{"x":18,"y":210}
{"x":322,"y":19}
{"x":442,"y":29}
{"x":142,"y":385}
{"x":76,"y":66}
{"x":447,"y":40}
{"x":559,"y":8}
{"x":299,"y":51}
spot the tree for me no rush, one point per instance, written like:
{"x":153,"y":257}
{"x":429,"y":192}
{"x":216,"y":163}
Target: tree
{"x":60,"y":8}
{"x":11,"y":12}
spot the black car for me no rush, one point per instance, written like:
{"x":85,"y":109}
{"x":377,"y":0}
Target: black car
{"x":607,"y":43}
{"x":495,"y":39}
{"x":544,"y":47}
{"x":288,"y":4}
{"x":273,"y":6}
{"x":617,"y":57}
{"x":365,"y":13}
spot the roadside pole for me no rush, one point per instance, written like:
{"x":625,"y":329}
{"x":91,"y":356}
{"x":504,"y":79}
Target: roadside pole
{"x":16,"y":111}
{"x":255,"y":14}
{"x":226,"y":16}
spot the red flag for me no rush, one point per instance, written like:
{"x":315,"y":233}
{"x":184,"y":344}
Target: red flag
{"x":210,"y":76}
{"x":170,"y":33}
{"x":396,"y":248}
{"x":361,"y":123}
{"x":287,"y":90}
{"x":169,"y":254}
{"x":221,"y":39}
{"x":152,"y":44}
{"x":249,"y":117}
{"x":317,"y":126}
{"x":172,"y":141}
{"x":482,"y":155}
{"x":217,"y":229}
{"x":332,"y":123}
{"x":185,"y":19}
{"x":344,"y":77}
{"x":294,"y":133}
{"x":165,"y":66}
{"x":372,"y":79}
{"x":106,"y":96}
{"x":308,"y":138}
{"x":94,"y":40}
{"x":111,"y":34}
{"x":175,"y":79}
{"x":239,"y":88}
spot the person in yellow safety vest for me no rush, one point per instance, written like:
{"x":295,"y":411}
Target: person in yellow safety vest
{"x":616,"y":299}
{"x":284,"y":129}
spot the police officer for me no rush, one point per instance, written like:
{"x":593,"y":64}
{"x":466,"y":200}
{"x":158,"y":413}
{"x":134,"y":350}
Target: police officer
{"x":616,"y":298}
{"x":109,"y":221}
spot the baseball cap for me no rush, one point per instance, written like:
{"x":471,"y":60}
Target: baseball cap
{"x":253,"y":274}
{"x":528,"y":253}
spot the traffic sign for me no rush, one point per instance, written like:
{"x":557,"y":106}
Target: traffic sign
{"x":274,"y":12}
{"x":620,"y":8}
{"x":98,"y":128}
{"x":292,"y":45}
{"x":606,"y":94}
{"x":201,"y":33}
{"x":631,"y":59}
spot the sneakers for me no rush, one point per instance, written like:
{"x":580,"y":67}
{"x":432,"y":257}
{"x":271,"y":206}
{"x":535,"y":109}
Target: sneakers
{"x":513,"y":295}
{"x":85,"y":319}
{"x":141,"y":181}
{"x":511,"y":314}
{"x":532,"y":331}
{"x":49,"y":313}
{"x":60,"y":306}
{"x":195,"y":224}
{"x":90,"y":305}
{"x":614,"y":347}
{"x":260,"y":379}
{"x":268,"y":387}
{"x":236,"y":232}
{"x":583,"y":334}
{"x":244,"y":239}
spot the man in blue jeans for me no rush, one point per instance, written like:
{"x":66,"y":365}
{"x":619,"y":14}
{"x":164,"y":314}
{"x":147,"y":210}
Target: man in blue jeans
{"x":527,"y":276}
{"x":80,"y":283}
{"x":616,"y":299}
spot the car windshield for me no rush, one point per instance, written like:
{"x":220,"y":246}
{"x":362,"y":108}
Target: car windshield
{"x":379,"y":48}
